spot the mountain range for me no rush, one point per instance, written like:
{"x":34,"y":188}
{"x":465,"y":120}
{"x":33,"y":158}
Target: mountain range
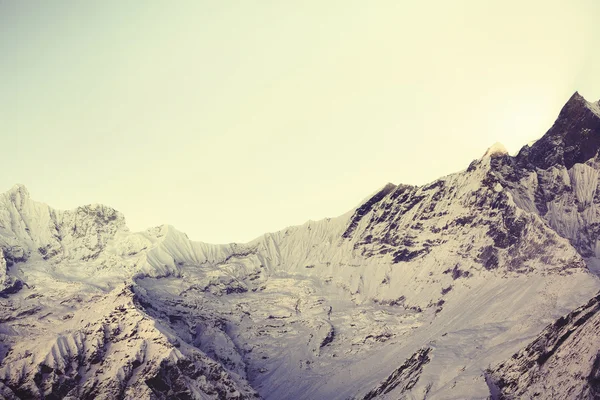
{"x":474,"y":286}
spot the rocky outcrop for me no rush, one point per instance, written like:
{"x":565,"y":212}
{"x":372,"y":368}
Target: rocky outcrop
{"x":557,"y":177}
{"x":366,"y":207}
{"x":562,"y":363}
{"x":573,"y":139}
{"x":402,"y":379}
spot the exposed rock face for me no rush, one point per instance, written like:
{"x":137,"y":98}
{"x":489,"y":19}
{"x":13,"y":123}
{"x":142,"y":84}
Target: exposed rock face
{"x":3,"y":270}
{"x":558,"y":176}
{"x":467,"y":269}
{"x":572,"y":140}
{"x":405,"y":377}
{"x":562,"y":363}
{"x":366,"y":207}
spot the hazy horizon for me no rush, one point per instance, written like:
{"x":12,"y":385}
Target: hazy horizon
{"x":228,"y":121}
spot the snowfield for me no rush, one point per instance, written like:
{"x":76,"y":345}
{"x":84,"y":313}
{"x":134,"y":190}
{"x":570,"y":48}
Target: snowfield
{"x":419,"y":292}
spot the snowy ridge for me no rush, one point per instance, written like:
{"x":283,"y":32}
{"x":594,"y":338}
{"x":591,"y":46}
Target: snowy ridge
{"x":413,"y":294}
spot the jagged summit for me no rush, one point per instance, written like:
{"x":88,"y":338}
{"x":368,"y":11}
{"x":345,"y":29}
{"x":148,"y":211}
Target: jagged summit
{"x":574,"y":137}
{"x":19,"y":187}
{"x":578,"y":101}
{"x":577,"y":107}
{"x":575,"y":98}
{"x":17,"y":193}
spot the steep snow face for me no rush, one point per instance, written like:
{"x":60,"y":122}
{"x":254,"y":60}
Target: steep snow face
{"x":563,"y":362}
{"x":413,"y":293}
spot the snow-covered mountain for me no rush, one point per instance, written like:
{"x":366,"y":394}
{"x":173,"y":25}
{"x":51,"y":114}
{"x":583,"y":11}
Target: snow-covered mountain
{"x":416,"y":293}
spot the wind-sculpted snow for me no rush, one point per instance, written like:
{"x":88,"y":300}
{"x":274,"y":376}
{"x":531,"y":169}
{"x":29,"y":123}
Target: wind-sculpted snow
{"x":467,"y":268}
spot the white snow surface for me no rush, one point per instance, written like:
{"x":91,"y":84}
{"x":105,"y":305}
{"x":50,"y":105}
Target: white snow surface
{"x":465,"y":266}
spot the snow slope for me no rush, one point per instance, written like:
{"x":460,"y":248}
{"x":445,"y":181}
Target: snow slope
{"x":413,"y":294}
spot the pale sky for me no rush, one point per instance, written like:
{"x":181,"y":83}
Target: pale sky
{"x":231,"y":119}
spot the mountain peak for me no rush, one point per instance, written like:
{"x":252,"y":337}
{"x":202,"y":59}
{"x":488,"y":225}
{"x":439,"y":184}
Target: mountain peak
{"x":574,"y":138}
{"x":576,"y":105}
{"x":496,"y":150}
{"x":576,"y":97}
{"x":20,"y":189}
{"x":17,"y":194}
